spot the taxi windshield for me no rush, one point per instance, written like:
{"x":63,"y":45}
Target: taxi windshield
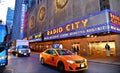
{"x":64,"y":52}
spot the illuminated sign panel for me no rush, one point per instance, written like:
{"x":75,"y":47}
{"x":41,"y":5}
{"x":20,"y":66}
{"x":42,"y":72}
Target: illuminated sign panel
{"x":114,"y":19}
{"x":115,"y":28}
{"x":80,"y":32}
{"x":68,"y":27}
{"x":92,"y":24}
{"x":22,"y":20}
{"x":25,"y":38}
{"x":114,"y":22}
{"x":35,"y":37}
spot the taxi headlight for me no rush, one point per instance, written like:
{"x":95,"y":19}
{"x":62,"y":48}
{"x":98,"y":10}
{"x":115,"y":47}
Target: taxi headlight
{"x":70,"y":61}
{"x":85,"y":60}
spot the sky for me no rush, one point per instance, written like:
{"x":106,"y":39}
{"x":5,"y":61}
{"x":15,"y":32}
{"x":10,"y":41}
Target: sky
{"x":4,"y":4}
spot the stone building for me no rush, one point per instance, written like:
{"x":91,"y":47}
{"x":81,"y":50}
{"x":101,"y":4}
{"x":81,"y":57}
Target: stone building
{"x":84,"y":24}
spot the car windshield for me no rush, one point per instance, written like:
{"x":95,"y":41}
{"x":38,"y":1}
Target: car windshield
{"x":64,"y":52}
{"x":23,"y":46}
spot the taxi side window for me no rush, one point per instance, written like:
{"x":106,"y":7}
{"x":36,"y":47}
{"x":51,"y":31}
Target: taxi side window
{"x":52,"y":52}
{"x":48,"y":52}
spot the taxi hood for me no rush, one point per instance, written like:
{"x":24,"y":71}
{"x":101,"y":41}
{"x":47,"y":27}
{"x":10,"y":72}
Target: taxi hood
{"x":72,"y":57}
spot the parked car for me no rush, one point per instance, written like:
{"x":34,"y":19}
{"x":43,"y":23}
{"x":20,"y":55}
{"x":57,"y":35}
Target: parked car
{"x":22,"y":50}
{"x":64,"y":60}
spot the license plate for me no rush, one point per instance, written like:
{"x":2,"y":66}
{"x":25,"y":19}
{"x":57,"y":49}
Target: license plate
{"x":25,"y":54}
{"x":82,"y":65}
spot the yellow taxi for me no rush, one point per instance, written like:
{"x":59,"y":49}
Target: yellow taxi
{"x":64,"y":60}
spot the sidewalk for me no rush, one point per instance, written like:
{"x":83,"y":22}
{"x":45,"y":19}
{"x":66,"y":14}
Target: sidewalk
{"x":107,"y":60}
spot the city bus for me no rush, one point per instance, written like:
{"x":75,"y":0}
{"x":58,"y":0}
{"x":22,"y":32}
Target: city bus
{"x":3,"y":46}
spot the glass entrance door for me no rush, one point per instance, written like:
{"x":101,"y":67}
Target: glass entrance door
{"x":98,"y":48}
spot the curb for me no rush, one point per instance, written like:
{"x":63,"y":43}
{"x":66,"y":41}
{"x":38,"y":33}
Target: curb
{"x":105,"y":62}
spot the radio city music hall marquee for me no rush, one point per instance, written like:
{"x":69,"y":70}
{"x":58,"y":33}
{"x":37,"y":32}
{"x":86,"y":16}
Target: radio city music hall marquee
{"x":68,"y":27}
{"x":92,"y":24}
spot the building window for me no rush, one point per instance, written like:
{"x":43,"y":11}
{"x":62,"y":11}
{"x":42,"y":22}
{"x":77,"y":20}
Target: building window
{"x":104,"y":4}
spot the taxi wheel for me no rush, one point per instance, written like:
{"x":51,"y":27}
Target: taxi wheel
{"x":42,"y":61}
{"x":61,"y":67}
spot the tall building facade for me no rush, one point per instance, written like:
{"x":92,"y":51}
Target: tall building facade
{"x":19,"y":16}
{"x":46,"y":14}
{"x":9,"y":21}
{"x":16,"y":21}
{"x":9,"y":18}
{"x":86,"y":25}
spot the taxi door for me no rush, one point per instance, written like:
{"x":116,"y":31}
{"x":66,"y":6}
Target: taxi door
{"x":53,"y":58}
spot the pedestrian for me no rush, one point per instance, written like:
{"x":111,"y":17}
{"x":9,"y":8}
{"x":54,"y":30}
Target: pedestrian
{"x":73,"y":49}
{"x":77,"y":49}
{"x":107,"y":47}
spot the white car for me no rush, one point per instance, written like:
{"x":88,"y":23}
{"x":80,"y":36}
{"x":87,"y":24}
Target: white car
{"x":22,"y":50}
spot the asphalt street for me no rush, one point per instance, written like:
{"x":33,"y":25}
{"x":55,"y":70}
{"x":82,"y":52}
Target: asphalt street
{"x":32,"y":65}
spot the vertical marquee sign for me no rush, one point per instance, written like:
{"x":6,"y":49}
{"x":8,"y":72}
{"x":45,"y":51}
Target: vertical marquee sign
{"x":22,"y":20}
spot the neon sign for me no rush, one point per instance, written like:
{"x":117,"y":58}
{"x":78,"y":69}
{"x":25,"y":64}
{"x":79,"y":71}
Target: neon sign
{"x":79,"y":32}
{"x":55,"y":31}
{"x":22,"y":20}
{"x":114,"y":19}
{"x":68,"y":27}
{"x":37,"y":36}
{"x":101,"y":22}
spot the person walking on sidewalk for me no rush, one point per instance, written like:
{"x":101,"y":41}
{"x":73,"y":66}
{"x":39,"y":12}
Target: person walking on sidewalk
{"x":107,"y":47}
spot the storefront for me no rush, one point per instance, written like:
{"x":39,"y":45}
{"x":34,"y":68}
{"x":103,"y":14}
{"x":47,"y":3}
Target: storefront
{"x":98,"y":48}
{"x":34,"y":40}
{"x":88,"y":34}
